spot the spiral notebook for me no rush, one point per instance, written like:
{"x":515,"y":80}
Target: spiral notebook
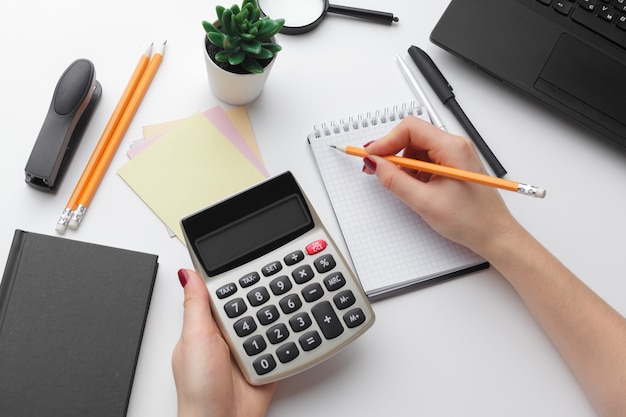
{"x":391,"y":247}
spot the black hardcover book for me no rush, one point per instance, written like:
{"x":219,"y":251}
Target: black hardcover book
{"x":72,"y":316}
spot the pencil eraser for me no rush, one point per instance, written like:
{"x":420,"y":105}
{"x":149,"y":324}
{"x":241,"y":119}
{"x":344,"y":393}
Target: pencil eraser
{"x":74,"y":100}
{"x":541,"y":193}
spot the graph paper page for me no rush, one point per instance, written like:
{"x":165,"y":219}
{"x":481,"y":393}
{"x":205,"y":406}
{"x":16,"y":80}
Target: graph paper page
{"x":390,"y":245}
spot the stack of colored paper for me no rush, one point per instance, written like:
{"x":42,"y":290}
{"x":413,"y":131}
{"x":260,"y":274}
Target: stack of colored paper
{"x":181,"y":166}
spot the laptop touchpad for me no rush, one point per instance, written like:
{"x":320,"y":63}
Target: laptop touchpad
{"x":585,"y":79}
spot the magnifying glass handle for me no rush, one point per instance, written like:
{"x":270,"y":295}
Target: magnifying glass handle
{"x":381,"y":17}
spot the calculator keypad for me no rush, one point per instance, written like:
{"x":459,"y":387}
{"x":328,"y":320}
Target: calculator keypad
{"x":290,"y":307}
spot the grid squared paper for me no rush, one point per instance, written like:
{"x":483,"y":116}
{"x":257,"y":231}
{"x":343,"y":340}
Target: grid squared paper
{"x":390,"y":245}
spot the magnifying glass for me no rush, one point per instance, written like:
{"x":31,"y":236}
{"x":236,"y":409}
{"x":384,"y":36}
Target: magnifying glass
{"x":302,"y":16}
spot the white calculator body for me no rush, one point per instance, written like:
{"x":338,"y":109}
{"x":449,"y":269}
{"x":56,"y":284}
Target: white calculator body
{"x":281,"y":292}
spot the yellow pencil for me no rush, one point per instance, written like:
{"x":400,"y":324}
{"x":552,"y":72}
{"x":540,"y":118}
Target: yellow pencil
{"x":72,"y":203}
{"x":117,"y":136}
{"x":450,"y":172}
{"x":102,"y":164}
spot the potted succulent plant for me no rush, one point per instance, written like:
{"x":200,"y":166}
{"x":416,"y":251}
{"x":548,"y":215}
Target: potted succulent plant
{"x":239,"y":50}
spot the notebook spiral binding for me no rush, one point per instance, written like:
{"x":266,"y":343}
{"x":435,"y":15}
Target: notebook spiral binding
{"x":363,"y":121}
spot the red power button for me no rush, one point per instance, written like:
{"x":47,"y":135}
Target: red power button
{"x":316,"y":247}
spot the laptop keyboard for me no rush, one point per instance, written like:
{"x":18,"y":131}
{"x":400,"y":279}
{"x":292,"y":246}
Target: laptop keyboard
{"x":604,"y":17}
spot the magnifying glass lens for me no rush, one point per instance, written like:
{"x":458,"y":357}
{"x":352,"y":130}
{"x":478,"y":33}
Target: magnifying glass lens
{"x":296,"y":13}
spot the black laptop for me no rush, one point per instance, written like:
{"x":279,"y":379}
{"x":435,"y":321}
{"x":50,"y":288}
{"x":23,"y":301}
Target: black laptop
{"x":569,"y":54}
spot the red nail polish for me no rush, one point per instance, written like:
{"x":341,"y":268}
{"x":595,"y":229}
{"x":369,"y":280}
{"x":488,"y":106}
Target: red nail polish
{"x":370,"y":163}
{"x":183,"y":277}
{"x":368,"y":143}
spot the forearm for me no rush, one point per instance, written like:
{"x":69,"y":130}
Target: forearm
{"x":590,"y":335}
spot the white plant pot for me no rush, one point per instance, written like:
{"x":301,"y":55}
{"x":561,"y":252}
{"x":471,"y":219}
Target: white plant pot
{"x":231,"y":88}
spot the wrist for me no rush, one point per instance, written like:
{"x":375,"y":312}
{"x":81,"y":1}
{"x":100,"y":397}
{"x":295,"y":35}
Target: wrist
{"x":188,"y":410}
{"x":502,"y":240}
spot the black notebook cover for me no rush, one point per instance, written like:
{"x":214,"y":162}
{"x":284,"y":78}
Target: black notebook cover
{"x":72,"y":316}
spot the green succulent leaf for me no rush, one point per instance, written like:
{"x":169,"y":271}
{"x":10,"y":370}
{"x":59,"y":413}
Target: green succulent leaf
{"x":226,"y":21}
{"x":237,"y":57}
{"x":233,"y":42}
{"x":209,"y":27}
{"x":270,"y":28}
{"x":264,"y":54}
{"x":216,"y":39}
{"x":234,"y":27}
{"x":243,"y":35}
{"x":245,"y":14}
{"x":253,"y":47}
{"x":272,"y":47}
{"x":219,"y":10}
{"x":256,"y":14}
{"x":249,"y":2}
{"x":252,"y":65}
{"x":222,"y":56}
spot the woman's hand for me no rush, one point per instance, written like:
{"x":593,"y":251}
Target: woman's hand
{"x":208,"y":381}
{"x":590,"y":335}
{"x":467,"y":213}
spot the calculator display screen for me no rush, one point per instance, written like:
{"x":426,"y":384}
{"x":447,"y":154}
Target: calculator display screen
{"x":254,"y":234}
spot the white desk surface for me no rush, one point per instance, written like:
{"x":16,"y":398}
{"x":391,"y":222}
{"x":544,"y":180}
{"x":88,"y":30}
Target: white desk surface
{"x":464,"y":347}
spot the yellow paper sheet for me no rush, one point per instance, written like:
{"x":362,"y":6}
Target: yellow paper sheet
{"x":157,"y":129}
{"x":238,"y":116}
{"x":190,"y":167}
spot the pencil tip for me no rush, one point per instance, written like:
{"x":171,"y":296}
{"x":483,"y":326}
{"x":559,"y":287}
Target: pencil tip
{"x":333,"y":146}
{"x":161,"y":48}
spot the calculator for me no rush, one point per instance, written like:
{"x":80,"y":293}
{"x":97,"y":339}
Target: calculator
{"x":282,"y":294}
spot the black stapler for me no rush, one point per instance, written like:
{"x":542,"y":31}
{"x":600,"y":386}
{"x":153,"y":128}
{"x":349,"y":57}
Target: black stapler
{"x":73,"y":103}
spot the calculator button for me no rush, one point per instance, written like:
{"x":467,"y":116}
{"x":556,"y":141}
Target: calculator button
{"x":280,"y":285}
{"x":245,"y":326}
{"x":267,"y":315}
{"x":300,"y":322}
{"x":277,"y":334}
{"x":258,"y":296}
{"x":302,"y":274}
{"x":334,"y":281}
{"x":287,"y":352}
{"x":254,"y":345}
{"x":272,"y":268}
{"x":324,"y":263}
{"x":264,"y":364}
{"x":294,"y":257}
{"x":312,"y":292}
{"x":310,"y":340}
{"x":226,"y":290}
{"x":354,"y":318}
{"x":290,"y":303}
{"x":235,"y":307}
{"x":327,"y":320}
{"x":316,"y":247}
{"x":344,"y":299}
{"x":249,"y":279}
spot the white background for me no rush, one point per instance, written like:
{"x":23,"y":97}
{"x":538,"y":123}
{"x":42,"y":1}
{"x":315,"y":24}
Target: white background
{"x":465,"y":347}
